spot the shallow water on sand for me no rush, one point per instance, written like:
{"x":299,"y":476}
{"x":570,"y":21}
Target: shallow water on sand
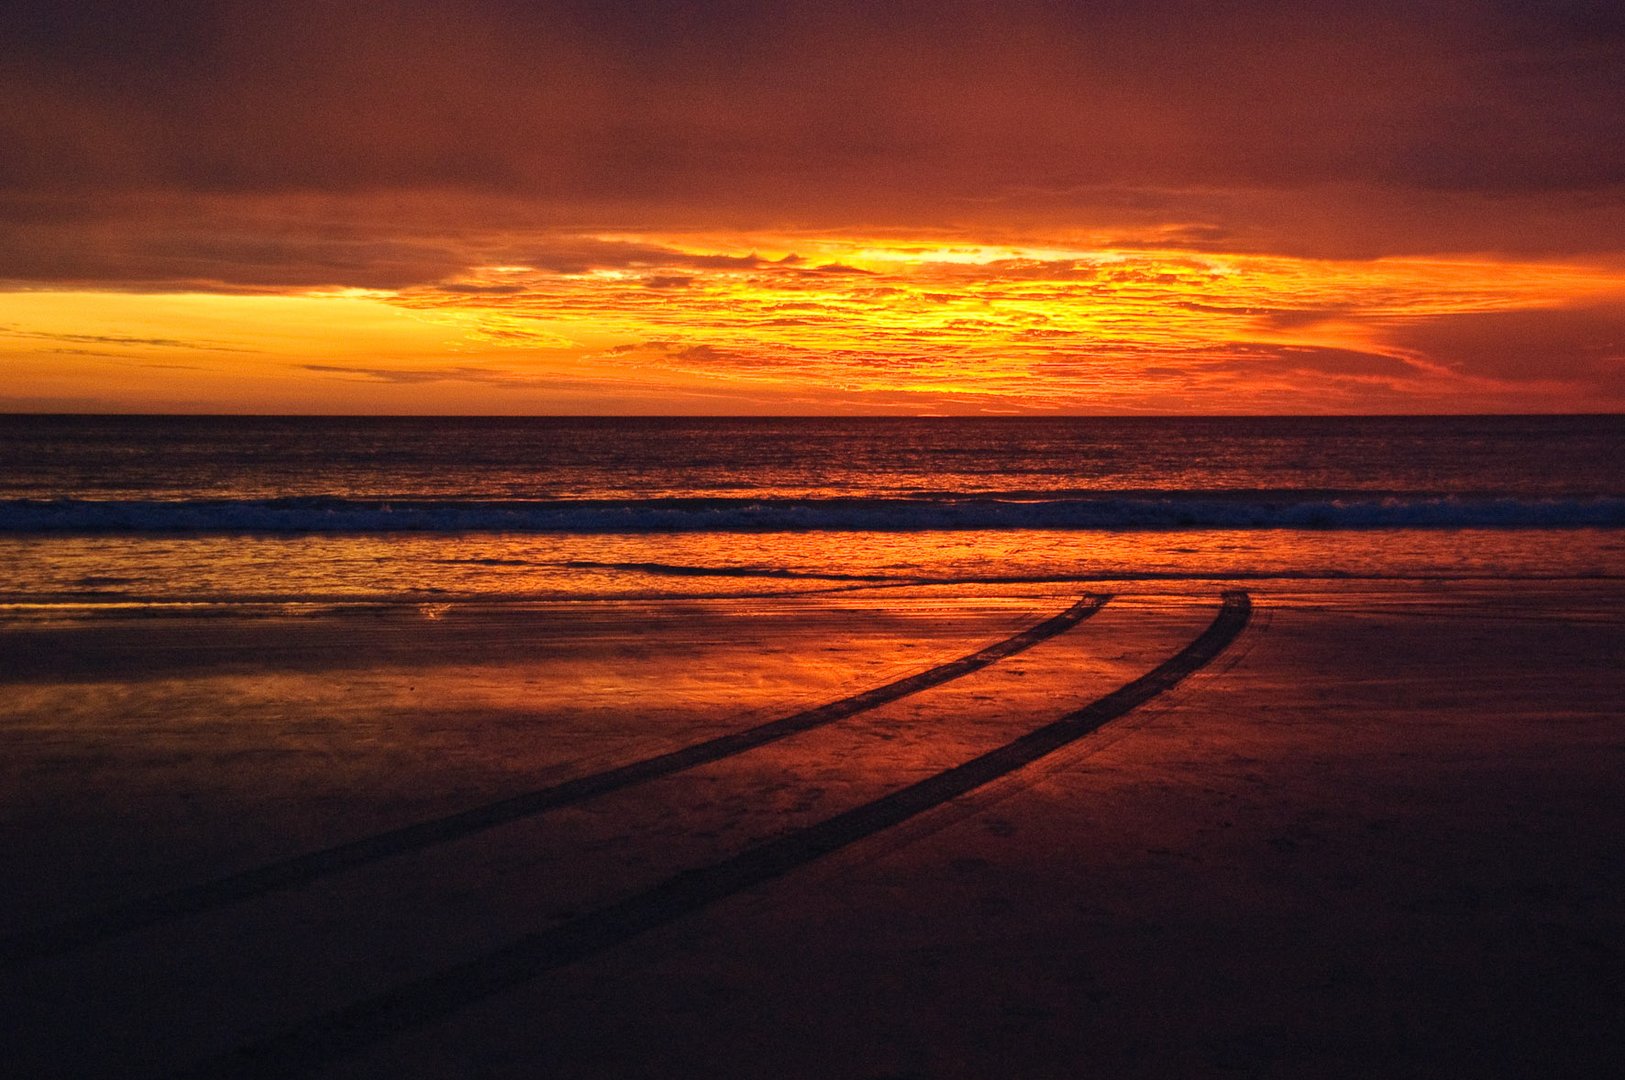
{"x":60,"y":576}
{"x":1380,"y":821}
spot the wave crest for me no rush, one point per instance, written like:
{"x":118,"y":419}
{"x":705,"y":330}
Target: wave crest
{"x":1173,"y":510}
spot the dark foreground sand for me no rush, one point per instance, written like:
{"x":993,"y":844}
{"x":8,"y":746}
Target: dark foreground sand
{"x":1377,"y":835}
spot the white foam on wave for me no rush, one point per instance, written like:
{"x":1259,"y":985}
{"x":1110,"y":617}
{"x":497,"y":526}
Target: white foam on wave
{"x":1171,"y":511}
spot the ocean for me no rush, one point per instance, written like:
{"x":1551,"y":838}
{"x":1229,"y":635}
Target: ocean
{"x":112,"y":514}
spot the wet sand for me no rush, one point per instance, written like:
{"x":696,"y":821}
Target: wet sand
{"x":1377,"y":835}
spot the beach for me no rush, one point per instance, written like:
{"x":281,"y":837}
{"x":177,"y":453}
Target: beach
{"x":1374,"y":834}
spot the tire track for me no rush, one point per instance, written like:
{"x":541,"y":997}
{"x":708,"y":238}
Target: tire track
{"x":301,"y":869}
{"x":324,"y":1038}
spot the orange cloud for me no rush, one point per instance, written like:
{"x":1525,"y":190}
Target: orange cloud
{"x":771,"y":322}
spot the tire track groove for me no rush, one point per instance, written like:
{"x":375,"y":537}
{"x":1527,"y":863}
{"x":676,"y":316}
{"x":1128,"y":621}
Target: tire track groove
{"x":413,"y":1005}
{"x":288,"y":873}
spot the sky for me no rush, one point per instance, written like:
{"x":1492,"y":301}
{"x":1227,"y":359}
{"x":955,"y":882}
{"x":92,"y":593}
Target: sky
{"x":506,"y":207}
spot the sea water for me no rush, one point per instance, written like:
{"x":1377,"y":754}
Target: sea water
{"x":119,"y":513}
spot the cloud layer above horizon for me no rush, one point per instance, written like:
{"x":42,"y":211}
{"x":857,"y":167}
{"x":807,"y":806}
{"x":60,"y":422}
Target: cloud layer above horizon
{"x":810,"y":207}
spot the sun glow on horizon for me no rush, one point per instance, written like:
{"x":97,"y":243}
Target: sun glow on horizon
{"x":764,"y":322}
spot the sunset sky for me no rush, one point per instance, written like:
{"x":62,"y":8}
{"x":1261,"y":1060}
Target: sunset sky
{"x":497,"y":206}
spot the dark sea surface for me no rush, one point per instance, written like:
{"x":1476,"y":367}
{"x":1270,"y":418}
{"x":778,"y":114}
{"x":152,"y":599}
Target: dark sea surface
{"x":136,"y":510}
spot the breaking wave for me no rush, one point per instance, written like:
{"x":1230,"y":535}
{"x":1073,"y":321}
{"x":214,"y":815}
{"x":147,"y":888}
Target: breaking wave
{"x":1162,"y":510}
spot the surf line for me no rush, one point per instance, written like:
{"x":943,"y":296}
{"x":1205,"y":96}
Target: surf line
{"x":416,"y":1004}
{"x":301,"y":869}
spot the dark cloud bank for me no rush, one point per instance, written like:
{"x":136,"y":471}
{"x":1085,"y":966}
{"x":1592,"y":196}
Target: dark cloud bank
{"x":275,"y":143}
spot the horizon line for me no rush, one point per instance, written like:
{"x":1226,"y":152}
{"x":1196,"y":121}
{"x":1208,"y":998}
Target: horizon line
{"x":43,"y":415}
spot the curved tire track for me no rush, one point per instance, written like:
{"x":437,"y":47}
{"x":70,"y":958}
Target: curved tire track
{"x":301,"y":869}
{"x":416,"y":1004}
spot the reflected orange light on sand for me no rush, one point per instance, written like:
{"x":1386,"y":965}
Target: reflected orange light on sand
{"x":771,"y":323}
